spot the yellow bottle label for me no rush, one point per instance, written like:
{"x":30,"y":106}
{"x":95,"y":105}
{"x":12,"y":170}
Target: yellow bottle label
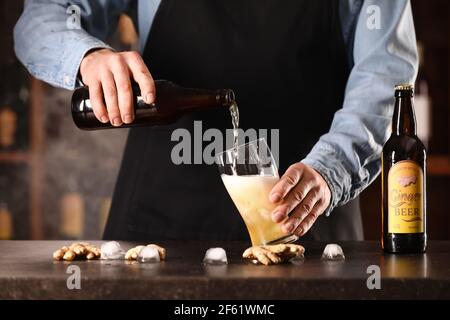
{"x":405,"y":198}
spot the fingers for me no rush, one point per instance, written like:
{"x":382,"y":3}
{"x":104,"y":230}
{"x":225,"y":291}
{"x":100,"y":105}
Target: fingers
{"x":107,"y":74}
{"x":302,"y":210}
{"x":111,"y":99}
{"x":309,"y":220}
{"x":287,"y":182}
{"x":305,"y":195}
{"x":124,"y":91}
{"x":141,"y":75}
{"x":292,"y":200}
{"x":98,"y":106}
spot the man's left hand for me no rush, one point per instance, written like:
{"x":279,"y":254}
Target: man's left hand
{"x":302,"y":195}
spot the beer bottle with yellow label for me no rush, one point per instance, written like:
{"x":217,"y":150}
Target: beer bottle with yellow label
{"x":404,"y":180}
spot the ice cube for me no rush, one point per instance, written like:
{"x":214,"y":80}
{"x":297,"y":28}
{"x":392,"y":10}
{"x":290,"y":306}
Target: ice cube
{"x":333,"y":251}
{"x":149,"y":254}
{"x":111,"y":251}
{"x":215,"y":256}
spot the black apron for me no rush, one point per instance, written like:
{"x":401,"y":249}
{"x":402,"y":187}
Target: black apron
{"x":286,"y":62}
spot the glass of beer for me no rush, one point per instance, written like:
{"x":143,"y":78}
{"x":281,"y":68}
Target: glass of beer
{"x":249,"y":173}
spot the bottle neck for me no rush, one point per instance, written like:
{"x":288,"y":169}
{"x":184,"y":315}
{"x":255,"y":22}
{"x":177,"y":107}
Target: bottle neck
{"x":226,"y":97}
{"x":404,"y":120}
{"x":187,"y":98}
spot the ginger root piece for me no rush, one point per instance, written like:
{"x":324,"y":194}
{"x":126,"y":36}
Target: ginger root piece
{"x":133,"y":253}
{"x":263,"y":255}
{"x":69,"y":255}
{"x":287,"y":251}
{"x":59,"y":254}
{"x":77,"y":250}
{"x":92,"y":252}
{"x":273,"y":254}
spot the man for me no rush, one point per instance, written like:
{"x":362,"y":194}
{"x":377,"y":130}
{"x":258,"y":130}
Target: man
{"x":322,"y":71}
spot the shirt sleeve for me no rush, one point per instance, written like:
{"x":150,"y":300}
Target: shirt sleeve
{"x":52,"y":36}
{"x":384,"y":54}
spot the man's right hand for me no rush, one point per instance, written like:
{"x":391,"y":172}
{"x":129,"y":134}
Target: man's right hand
{"x":107,"y":74}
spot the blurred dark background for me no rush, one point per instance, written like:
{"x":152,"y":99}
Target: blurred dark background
{"x":52,"y":184}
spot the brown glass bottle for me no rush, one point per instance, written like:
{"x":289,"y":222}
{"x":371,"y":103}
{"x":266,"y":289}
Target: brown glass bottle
{"x":404,"y":181}
{"x":172,"y":101}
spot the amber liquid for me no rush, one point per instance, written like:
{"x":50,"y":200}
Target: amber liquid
{"x":234,"y":112}
{"x":402,"y":145}
{"x":250,"y":195}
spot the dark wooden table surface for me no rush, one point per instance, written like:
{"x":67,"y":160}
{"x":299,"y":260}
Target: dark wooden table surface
{"x":28,"y":271}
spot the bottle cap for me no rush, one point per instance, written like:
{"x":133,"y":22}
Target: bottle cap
{"x":404,"y":87}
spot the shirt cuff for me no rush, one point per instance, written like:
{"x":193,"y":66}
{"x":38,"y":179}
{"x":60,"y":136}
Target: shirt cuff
{"x":333,"y":172}
{"x":72,"y":60}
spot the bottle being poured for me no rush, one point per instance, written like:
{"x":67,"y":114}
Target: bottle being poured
{"x":172,"y":101}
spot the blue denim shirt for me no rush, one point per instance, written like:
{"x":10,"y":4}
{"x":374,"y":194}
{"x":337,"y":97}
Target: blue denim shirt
{"x":381,"y":46}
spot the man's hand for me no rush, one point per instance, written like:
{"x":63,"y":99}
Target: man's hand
{"x":107,"y":74}
{"x":301,"y":193}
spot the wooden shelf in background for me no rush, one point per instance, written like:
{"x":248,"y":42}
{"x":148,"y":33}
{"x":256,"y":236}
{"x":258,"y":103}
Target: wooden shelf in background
{"x":438,"y":165}
{"x":14,"y":156}
{"x":36,"y":165}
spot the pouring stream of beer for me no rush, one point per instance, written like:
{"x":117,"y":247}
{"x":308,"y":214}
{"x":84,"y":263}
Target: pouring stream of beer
{"x":234,"y":111}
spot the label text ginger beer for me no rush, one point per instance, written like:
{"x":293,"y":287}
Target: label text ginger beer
{"x":404,"y":181}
